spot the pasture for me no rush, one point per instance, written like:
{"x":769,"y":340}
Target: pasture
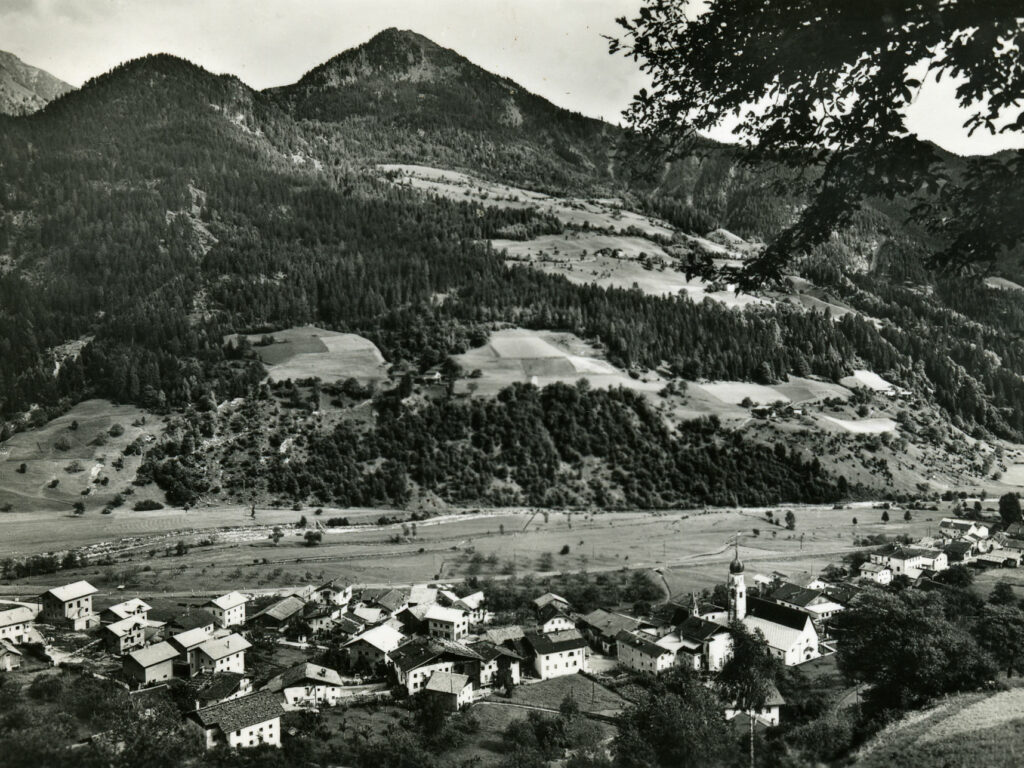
{"x":307,"y":352}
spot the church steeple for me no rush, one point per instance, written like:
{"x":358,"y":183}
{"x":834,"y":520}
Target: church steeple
{"x":737,"y":587}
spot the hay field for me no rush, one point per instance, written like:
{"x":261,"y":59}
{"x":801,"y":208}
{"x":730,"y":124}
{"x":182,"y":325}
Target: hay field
{"x":308,"y":352}
{"x":50,"y":451}
{"x":796,"y":390}
{"x":869,"y":379}
{"x":602,"y":214}
{"x":858,"y":426}
{"x":542,"y":358}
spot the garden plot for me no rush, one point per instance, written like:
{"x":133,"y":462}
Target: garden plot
{"x":542,"y":358}
{"x":311,"y":352}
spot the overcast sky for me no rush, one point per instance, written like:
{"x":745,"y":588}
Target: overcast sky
{"x":552,"y":47}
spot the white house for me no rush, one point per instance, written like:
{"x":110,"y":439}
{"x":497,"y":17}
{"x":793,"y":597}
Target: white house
{"x":878,"y":573}
{"x":10,"y":656}
{"x":187,"y":643}
{"x":643,"y":654}
{"x":493,"y":659}
{"x":125,"y":635}
{"x":551,"y":618}
{"x":129,"y":608}
{"x":447,"y":623}
{"x":767,"y":715}
{"x":333,"y":592}
{"x":955,"y":527}
{"x":307,"y":685}
{"x":911,"y":561}
{"x":16,"y":624}
{"x":454,"y":689}
{"x":373,"y":646}
{"x":70,"y":605}
{"x":418,"y":659}
{"x":559,"y":653}
{"x":228,"y":610}
{"x":153,"y":664}
{"x":703,"y":645}
{"x":225,"y":654}
{"x":247,"y":721}
{"x":472,"y":604}
{"x":814,"y":602}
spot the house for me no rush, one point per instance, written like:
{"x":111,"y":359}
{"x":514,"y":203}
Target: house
{"x":373,"y":646}
{"x":790,"y":633}
{"x":333,"y":592}
{"x":497,"y":665}
{"x":449,"y":623}
{"x":814,"y":602}
{"x":413,"y":620}
{"x":174,"y":622}
{"x":124,"y":635}
{"x":551,"y":618}
{"x":455,"y":690}
{"x":247,"y":721}
{"x":954,"y":528}
{"x":422,"y":594}
{"x":702,"y":609}
{"x":319,"y":617}
{"x":878,"y":573}
{"x":10,"y":656}
{"x":643,"y":654}
{"x":224,"y":654}
{"x":550,"y":597}
{"x":127,"y":609}
{"x":472,"y":604}
{"x":277,"y":615}
{"x":911,"y":561}
{"x":389,"y":601}
{"x":16,"y":624}
{"x":70,"y":605}
{"x":222,"y":686}
{"x":768,"y":715}
{"x":368,"y":614}
{"x":350,"y":625}
{"x":228,"y":610}
{"x":187,"y":643}
{"x":513,"y":638}
{"x":415,"y":661}
{"x":153,"y":664}
{"x":307,"y":685}
{"x":704,"y":645}
{"x":960,"y":551}
{"x":560,"y":653}
{"x":601,"y":627}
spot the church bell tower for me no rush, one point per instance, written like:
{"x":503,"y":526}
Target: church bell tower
{"x":737,"y":589}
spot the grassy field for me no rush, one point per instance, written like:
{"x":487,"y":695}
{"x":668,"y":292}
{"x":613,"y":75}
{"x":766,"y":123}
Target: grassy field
{"x":308,"y":351}
{"x":77,"y":450}
{"x":590,"y":696}
{"x":970,"y":730}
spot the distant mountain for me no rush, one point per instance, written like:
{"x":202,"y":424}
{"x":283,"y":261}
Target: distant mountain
{"x":25,"y":89}
{"x":408,"y":99}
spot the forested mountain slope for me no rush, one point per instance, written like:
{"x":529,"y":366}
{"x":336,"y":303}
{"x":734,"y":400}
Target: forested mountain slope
{"x":160,"y":209}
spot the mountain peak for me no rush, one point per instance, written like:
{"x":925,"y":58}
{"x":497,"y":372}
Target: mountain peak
{"x":25,"y":89}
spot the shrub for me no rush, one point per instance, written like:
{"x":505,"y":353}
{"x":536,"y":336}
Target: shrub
{"x":62,"y":444}
{"x":147,"y":505}
{"x":116,"y":430}
{"x":564,"y":550}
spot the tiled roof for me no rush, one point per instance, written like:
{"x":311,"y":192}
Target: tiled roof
{"x":154,"y":654}
{"x":552,"y":611}
{"x":282,"y":610}
{"x":383,"y":638}
{"x":700,"y":630}
{"x":796,"y":595}
{"x":73,"y":591}
{"x":129,"y":607}
{"x":18,"y":615}
{"x":191,"y":638}
{"x":236,"y":714}
{"x":549,"y":597}
{"x":554,"y":642}
{"x":125,"y":626}
{"x":440,"y":613}
{"x":608,"y":623}
{"x":217,"y":686}
{"x":304,"y":672}
{"x":224,"y":646}
{"x":500,"y":635}
{"x":8,"y":648}
{"x":778,"y":636}
{"x":350,"y":624}
{"x":488,"y":651}
{"x":447,"y":682}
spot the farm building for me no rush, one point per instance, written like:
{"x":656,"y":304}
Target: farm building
{"x":228,"y":610}
{"x":16,"y":624}
{"x":247,"y":721}
{"x":374,"y":646}
{"x":560,"y":653}
{"x":455,"y":690}
{"x":307,"y":685}
{"x":153,"y":664}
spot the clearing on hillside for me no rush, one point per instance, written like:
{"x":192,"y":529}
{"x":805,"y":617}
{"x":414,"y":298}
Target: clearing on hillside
{"x":859,"y":427}
{"x":542,"y":358}
{"x":868,"y":379}
{"x":311,"y":352}
{"x":796,"y":390}
{"x":75,"y":458}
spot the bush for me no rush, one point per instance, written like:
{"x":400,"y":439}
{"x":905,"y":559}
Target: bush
{"x":116,"y":430}
{"x":147,"y":505}
{"x":564,"y":550}
{"x":62,"y":444}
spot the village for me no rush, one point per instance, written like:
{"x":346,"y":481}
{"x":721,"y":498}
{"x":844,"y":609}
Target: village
{"x":338,"y":645}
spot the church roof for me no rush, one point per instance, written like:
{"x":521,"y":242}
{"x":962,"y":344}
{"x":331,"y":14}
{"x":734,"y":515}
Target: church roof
{"x":777,"y":614}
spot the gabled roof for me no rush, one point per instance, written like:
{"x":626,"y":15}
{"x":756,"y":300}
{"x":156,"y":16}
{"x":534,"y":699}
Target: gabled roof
{"x":554,"y":642}
{"x":447,"y":682}
{"x":501,"y":635}
{"x":190,"y":638}
{"x":610,"y":624}
{"x":796,"y":595}
{"x":422,"y":650}
{"x":960,"y":547}
{"x":643,"y":645}
{"x":367,"y":614}
{"x":471,"y":602}
{"x":72,"y":591}
{"x":224,"y":646}
{"x":549,"y":597}
{"x":422,"y":593}
{"x":196,"y":617}
{"x":282,"y":610}
{"x":383,"y":638}
{"x":777,"y":614}
{"x":349,"y":624}
{"x":125,"y":626}
{"x":8,"y":648}
{"x":129,"y":608}
{"x":700,"y":630}
{"x":488,"y":651}
{"x":334,"y":585}
{"x":552,"y":611}
{"x":236,"y":714}
{"x":154,"y":654}
{"x":440,"y":613}
{"x":393,"y":600}
{"x":300,"y":673}
{"x":17,"y":615}
{"x":873,"y":567}
{"x":217,"y":686}
{"x":230,"y":600}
